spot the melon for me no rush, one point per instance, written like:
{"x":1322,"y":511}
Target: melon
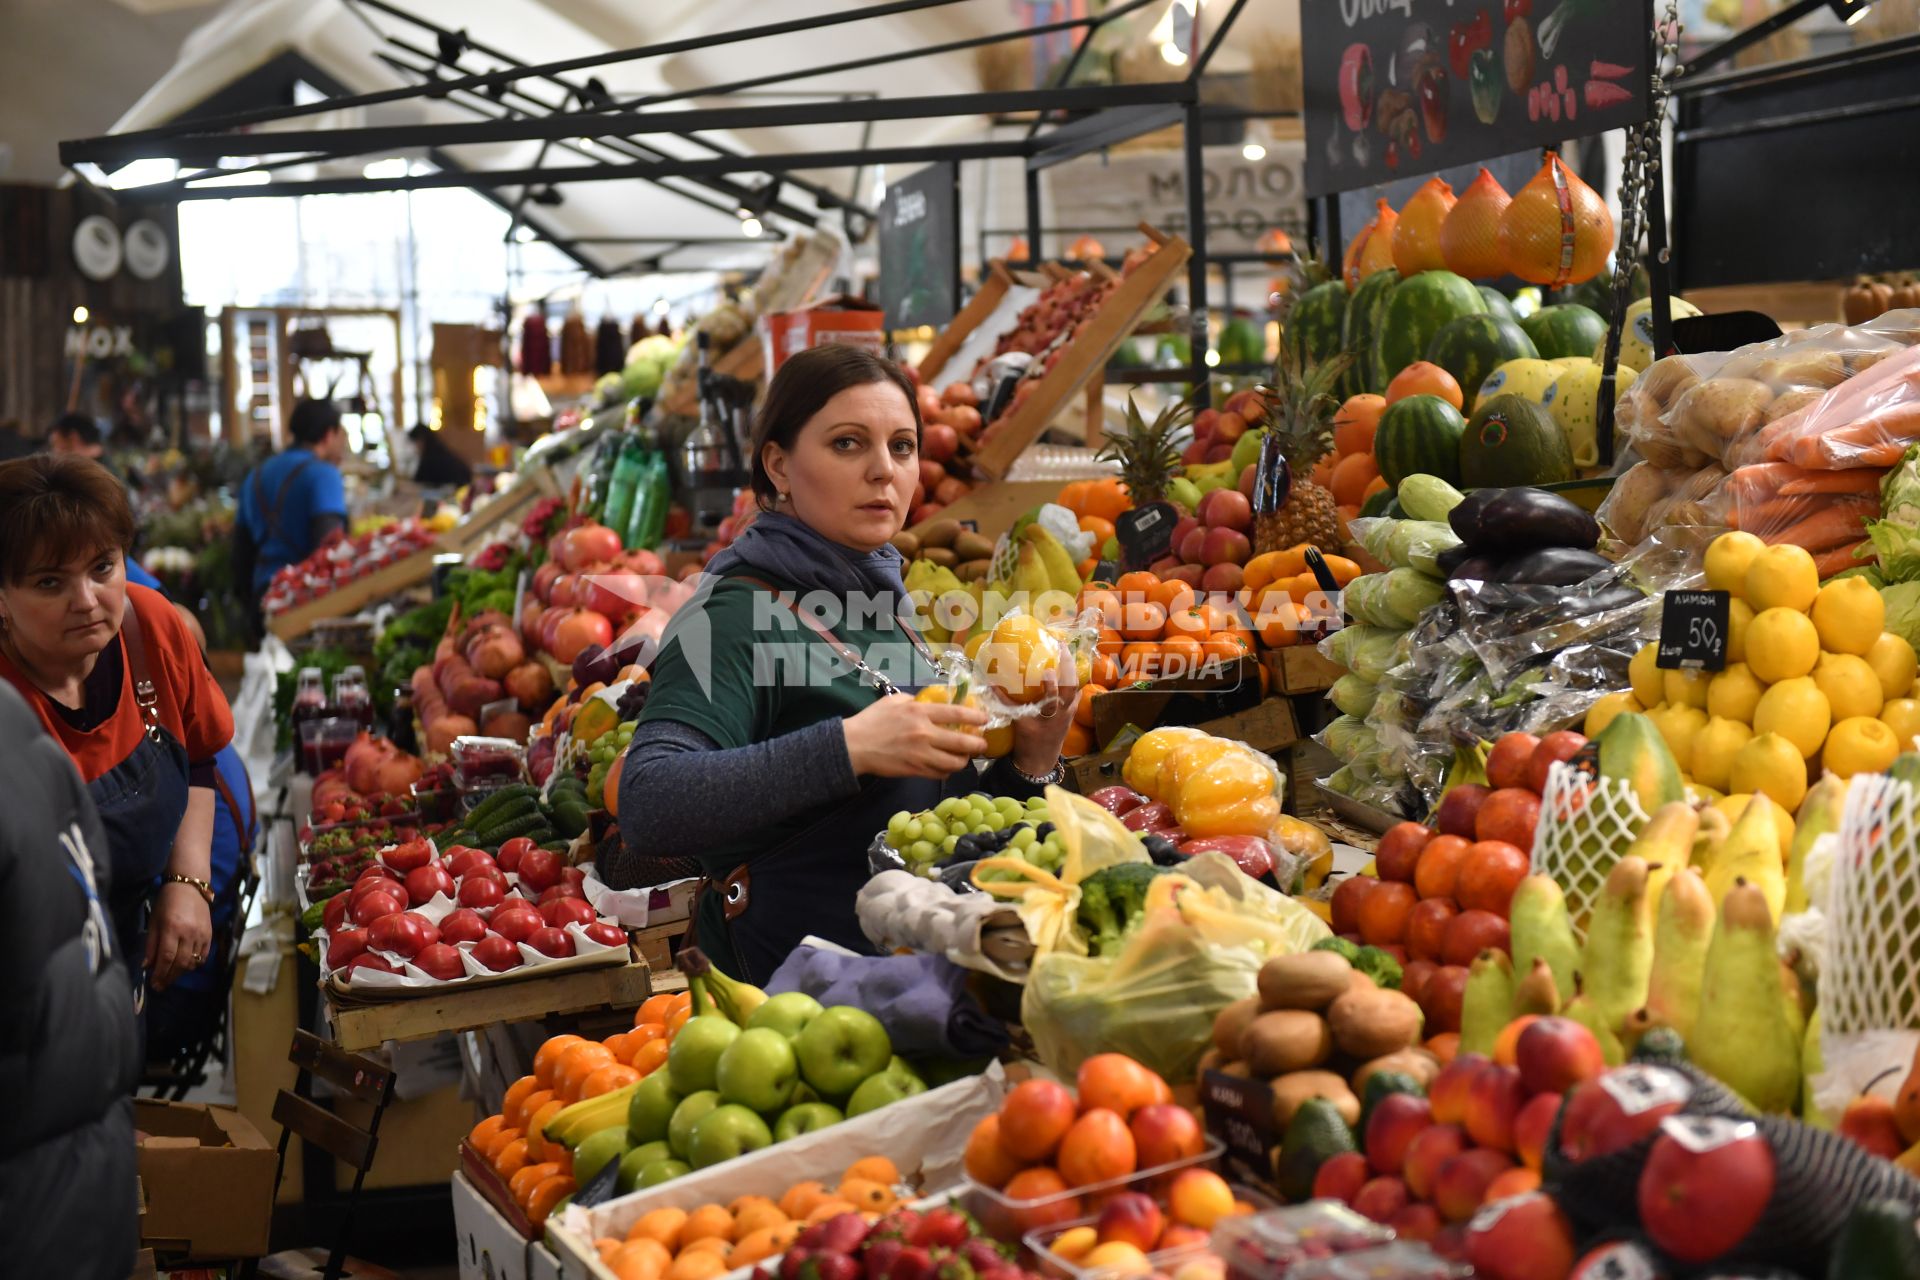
{"x":1566,"y":329}
{"x":1511,"y":441}
{"x":1472,"y":347}
{"x":1573,"y":402}
{"x":1419,"y":307}
{"x":1522,"y":377}
{"x":1636,"y":338}
{"x":1498,"y":304}
{"x":1419,"y":435}
{"x":1313,"y":326}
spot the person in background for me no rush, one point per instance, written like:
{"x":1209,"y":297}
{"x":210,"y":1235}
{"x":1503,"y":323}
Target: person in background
{"x":290,"y":503}
{"x":439,"y":466}
{"x":76,"y":433}
{"x":13,"y":441}
{"x":68,"y":1046}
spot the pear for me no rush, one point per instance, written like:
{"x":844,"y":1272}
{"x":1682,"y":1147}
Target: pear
{"x":1666,"y":842}
{"x":1618,"y":958}
{"x":1535,"y":993}
{"x":1742,"y":1035}
{"x":1819,"y":815}
{"x":1752,"y":853}
{"x":1540,"y":929}
{"x":1793,"y":1000}
{"x":1812,"y":1063}
{"x":1487,"y":1005}
{"x":1682,"y":928}
{"x":1638,"y":1023}
{"x":1714,"y":827}
{"x":1588,"y":1014}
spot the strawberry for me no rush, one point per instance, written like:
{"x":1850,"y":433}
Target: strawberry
{"x":942,"y":1227}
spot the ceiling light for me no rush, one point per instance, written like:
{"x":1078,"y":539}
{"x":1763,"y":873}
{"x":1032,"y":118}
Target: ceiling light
{"x":80,"y":315}
{"x":660,"y":307}
{"x":391,"y":167}
{"x":750,"y":227}
{"x":1173,"y":55}
{"x":142,"y":173}
{"x":525,"y":234}
{"x":1858,"y":13}
{"x":1253,"y":150}
{"x":1212,"y":358}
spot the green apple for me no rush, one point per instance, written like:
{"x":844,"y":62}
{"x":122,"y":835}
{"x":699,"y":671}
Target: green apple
{"x":840,"y":1048}
{"x":663,"y":1171}
{"x":805,"y":1118}
{"x":726,"y":1132}
{"x":803,"y":1092}
{"x":758,"y":1070}
{"x":881,"y":1090}
{"x":788,"y":1013}
{"x":635,"y":1162}
{"x":597,"y":1150}
{"x":899,"y":1066}
{"x":695,"y":1055}
{"x":1185,"y":492}
{"x":650,"y":1107}
{"x":1246,"y":450}
{"x":692,"y":1109}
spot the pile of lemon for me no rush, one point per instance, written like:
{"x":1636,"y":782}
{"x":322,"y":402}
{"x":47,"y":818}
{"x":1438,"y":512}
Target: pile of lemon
{"x":1813,"y":680}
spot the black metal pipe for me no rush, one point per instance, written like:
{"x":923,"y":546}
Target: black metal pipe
{"x":1753,"y":35}
{"x":1197,"y":264}
{"x":1034,"y":253}
{"x":1213,"y":45}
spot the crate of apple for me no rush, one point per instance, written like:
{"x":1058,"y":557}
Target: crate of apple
{"x":1441,"y":894}
{"x":422,"y":919}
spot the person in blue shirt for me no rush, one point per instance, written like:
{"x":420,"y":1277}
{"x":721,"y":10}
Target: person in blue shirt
{"x":290,"y":503}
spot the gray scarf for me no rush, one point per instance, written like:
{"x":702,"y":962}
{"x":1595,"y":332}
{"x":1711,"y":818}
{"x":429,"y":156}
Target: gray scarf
{"x":795,"y":555}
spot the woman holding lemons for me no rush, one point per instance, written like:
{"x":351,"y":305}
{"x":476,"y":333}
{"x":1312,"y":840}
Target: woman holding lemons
{"x":780,"y":734}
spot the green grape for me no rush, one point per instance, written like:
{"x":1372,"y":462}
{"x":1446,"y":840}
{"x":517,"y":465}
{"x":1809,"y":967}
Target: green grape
{"x":1022,"y":839}
{"x":1009,"y":806}
{"x":997,"y":822}
{"x":897,"y":826}
{"x":933,"y":830}
{"x":916,"y":830}
{"x":1036,"y":802}
{"x":920,"y":851}
{"x":948,"y":845}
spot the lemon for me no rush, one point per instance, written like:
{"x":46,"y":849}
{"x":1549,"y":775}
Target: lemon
{"x":1861,"y":744}
{"x":1851,"y":687}
{"x":1771,"y":764}
{"x":1733,"y":694}
{"x":1797,"y":711}
{"x":1678,"y":725}
{"x":1891,"y":658}
{"x":1735,"y":805}
{"x":1648,"y":680}
{"x":1728,"y":558}
{"x":1782,"y":577}
{"x":1601,"y":713}
{"x":1781,"y":644}
{"x":1902,"y":715}
{"x":1701,"y":794}
{"x":1687,"y":688}
{"x":1739,"y":618}
{"x":1018,"y":657}
{"x":1848,"y":613}
{"x":1713,"y":750}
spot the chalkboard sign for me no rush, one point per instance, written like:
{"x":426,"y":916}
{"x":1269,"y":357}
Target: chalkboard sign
{"x":1397,"y":87}
{"x":1239,"y":1112}
{"x":920,"y":248}
{"x":1693,"y":631}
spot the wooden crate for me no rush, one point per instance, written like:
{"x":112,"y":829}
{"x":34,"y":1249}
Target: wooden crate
{"x":290,"y":624}
{"x":745,"y":360}
{"x":999,"y":282}
{"x":1301,"y":669}
{"x":1186,"y":700}
{"x":359,"y":1027}
{"x":992,"y":508}
{"x":1267,"y":726}
{"x":1086,"y":356}
{"x":660,"y":944}
{"x":511,"y":505}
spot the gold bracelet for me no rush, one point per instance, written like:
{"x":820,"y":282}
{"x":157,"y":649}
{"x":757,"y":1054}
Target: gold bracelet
{"x":203,"y":887}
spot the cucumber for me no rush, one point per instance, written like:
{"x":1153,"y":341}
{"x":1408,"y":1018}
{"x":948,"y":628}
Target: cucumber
{"x":517,"y":827}
{"x":570,"y":817}
{"x":510,"y":812}
{"x":492,"y":804}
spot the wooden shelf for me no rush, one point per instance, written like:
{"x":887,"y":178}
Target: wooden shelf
{"x":511,"y":505}
{"x":358,"y":1027}
{"x":351,"y":597}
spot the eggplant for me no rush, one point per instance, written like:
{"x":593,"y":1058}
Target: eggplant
{"x":1451,"y":558}
{"x":1554,"y":567}
{"x":1464,"y":519}
{"x":1477,"y":569}
{"x":1525,"y":519}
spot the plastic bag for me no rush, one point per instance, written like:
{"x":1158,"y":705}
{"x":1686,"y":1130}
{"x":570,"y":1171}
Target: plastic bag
{"x":1046,"y":903}
{"x":1017,"y":660}
{"x":1207,"y":930}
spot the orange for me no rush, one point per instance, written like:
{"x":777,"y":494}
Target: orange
{"x":1356,"y":421}
{"x":1470,"y":237}
{"x":576,"y":1064}
{"x":1376,"y":485}
{"x":1110,"y":642}
{"x":547,"y":1196}
{"x":876,"y":1169}
{"x":763,"y":1215}
{"x":1117,"y":1083}
{"x":1424,"y":378}
{"x":1141,"y":660}
{"x":1193,"y":622}
{"x":1344,"y":571}
{"x":1105,"y":670}
{"x":521,"y":1184}
{"x":617,"y":1045}
{"x":512,"y":1158}
{"x":645,"y":1033}
{"x":1096,"y":1149}
{"x":537,"y":1145}
{"x":828,"y":1209}
{"x":652,"y":1054}
{"x":482,"y":1133}
{"x":1099,"y":526}
{"x":1078,"y":742}
{"x":1103,"y":600}
{"x":1143,"y":620}
{"x":1281,"y":626}
{"x":1173,"y":596}
{"x":1083,"y":709}
{"x":639,"y":1260}
{"x":1135,"y":585}
{"x":1180,"y":656}
{"x":707,"y":1220}
{"x":698,"y":1264}
{"x":662,"y":1226}
{"x":865,"y":1193}
{"x":1416,"y":237}
{"x":1350,"y":477}
{"x":655,"y":1009}
{"x":548,"y":1057}
{"x":1034,"y":1116}
{"x":500,"y":1141}
{"x":608,"y":1078}
{"x":1506,"y":1044}
{"x":681,"y":1000}
{"x":517,"y":1093}
{"x":524,"y":1109}
{"x":678,"y":1019}
{"x":986,"y":1161}
{"x":606,"y":1247}
{"x":801,"y":1197}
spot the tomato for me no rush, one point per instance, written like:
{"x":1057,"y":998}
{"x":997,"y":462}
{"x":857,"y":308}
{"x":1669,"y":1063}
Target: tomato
{"x":496,"y":953}
{"x":424,"y":882}
{"x":481,"y":892}
{"x":552,"y":942}
{"x":462,"y":925}
{"x":369,"y":907}
{"x":441,"y":961}
{"x":407,"y":857}
{"x":562,"y":912}
{"x":539,"y":869}
{"x":344,"y":945}
{"x":513,"y":850}
{"x":606,"y":933}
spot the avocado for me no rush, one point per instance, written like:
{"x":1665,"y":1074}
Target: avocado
{"x":1661,"y":1045}
{"x":1314,"y":1135}
{"x":1877,"y":1243}
{"x":1379,"y":1085}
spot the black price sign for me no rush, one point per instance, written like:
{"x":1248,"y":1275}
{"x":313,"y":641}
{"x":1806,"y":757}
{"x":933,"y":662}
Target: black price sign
{"x":1693,"y":631}
{"x":1145,"y":534}
{"x":1240,"y":1113}
{"x":920,"y":248}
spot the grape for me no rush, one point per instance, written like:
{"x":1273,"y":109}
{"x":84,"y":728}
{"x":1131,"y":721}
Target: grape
{"x":1008,"y":806}
{"x":1023,"y":838}
{"x":916,"y":829}
{"x":920,"y":851}
{"x":932,"y":830}
{"x":997,"y":822}
{"x":897,"y":827}
{"x":948,"y":845}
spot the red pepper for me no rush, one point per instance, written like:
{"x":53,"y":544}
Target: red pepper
{"x":1466,"y":39}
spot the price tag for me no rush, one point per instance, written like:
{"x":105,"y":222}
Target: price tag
{"x":1701,"y":1134}
{"x":1105,"y":571}
{"x":1622,"y":1261}
{"x":1145,"y":534}
{"x":1240,"y":1113}
{"x":1640,"y":1087}
{"x":1693,"y":631}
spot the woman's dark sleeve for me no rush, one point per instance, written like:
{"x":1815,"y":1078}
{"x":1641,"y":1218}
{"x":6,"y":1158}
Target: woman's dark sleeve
{"x":682,"y":793}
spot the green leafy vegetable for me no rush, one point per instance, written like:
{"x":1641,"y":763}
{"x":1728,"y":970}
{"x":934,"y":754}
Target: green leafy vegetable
{"x":1111,"y":900}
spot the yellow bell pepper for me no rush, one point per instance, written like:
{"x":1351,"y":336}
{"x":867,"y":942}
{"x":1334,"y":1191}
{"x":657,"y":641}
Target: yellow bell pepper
{"x":1142,"y":769}
{"x":1231,"y":795}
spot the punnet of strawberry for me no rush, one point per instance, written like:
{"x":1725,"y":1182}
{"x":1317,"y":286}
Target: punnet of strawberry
{"x":939,"y":1244}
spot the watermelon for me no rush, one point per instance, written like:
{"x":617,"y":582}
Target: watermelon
{"x":1511,"y":441}
{"x":1313,"y":327}
{"x":1241,"y":342}
{"x":1472,"y":347}
{"x":1567,"y":329}
{"x":1364,"y":311}
{"x":1419,"y":435}
{"x":1377,"y":502}
{"x":1419,"y":308}
{"x":1497,"y":302}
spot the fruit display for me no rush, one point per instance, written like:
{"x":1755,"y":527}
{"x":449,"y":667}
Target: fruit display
{"x":1139,"y":1234}
{"x":968,"y":828}
{"x":1257,"y":855}
{"x":950,"y":429}
{"x":342,"y":559}
{"x":1290,"y":505}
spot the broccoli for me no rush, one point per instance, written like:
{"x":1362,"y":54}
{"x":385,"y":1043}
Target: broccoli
{"x":1378,"y":965}
{"x":1340,"y":947}
{"x":1111,"y":900}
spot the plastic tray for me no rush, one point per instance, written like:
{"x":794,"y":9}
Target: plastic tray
{"x":1277,"y":1242}
{"x":1049,"y":1263}
{"x":1009,"y":1220}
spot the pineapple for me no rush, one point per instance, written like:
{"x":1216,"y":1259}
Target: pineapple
{"x":1290,"y":508}
{"x":1148,"y":458}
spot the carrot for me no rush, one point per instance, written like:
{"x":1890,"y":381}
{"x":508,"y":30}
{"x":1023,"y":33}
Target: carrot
{"x":1839,"y":559}
{"x":1773,"y":513}
{"x":1851,"y":447}
{"x":1833,"y":527}
{"x":1844,"y":404}
{"x":1854,"y":480}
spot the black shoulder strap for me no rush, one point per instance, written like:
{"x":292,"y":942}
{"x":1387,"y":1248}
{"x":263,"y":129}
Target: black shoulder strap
{"x":270,"y":516}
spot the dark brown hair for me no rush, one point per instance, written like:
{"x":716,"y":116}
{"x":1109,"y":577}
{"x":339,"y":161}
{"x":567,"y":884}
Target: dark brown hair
{"x":802,"y":388}
{"x":58,"y":505}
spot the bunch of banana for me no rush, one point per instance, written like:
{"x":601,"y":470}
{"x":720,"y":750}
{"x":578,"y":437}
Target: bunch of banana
{"x":716,"y":993}
{"x":573,"y":1125}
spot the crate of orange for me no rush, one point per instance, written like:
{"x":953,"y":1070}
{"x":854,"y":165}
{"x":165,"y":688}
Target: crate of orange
{"x":807,"y":1179}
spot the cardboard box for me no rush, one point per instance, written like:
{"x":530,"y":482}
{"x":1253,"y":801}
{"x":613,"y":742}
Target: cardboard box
{"x":853,"y":321}
{"x":208,"y":1175}
{"x":489,"y":1246}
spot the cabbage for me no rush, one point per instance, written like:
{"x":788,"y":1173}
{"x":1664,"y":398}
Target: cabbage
{"x":1903,"y":610}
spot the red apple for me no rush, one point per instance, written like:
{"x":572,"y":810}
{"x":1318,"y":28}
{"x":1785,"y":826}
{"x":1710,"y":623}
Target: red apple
{"x":1705,"y":1185}
{"x":1461,"y":1187}
{"x":1399,"y":851}
{"x":1347,"y":896}
{"x":1441,"y":998}
{"x":1427,"y":929}
{"x":1341,"y":1177}
{"x":1226,"y":509}
{"x":1525,"y":1238}
{"x":1164,"y":1132}
{"x":1413,"y":978}
{"x":1471,"y":932}
{"x":1555,"y":1054}
{"x":462,"y":925}
{"x":440,"y":961}
{"x":1531,"y":1127}
{"x":1225,"y":546}
{"x":1458,"y":809}
{"x":1223,"y":579}
{"x":1493,"y":1101}
{"x":1553,"y":748}
{"x":496,"y":953}
{"x":1396,"y":1121}
{"x":1507,"y":762}
{"x":1133,"y":1217}
{"x":1430,"y":1150}
{"x":1192,"y":545}
{"x":1620,"y":1108}
{"x":1381,"y":1198}
{"x":1416,"y":1222}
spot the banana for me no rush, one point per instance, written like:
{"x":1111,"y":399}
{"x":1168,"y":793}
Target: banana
{"x":572,"y":1126}
{"x":1059,"y":565}
{"x":736,"y":1000}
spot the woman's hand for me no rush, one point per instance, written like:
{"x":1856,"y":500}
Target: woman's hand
{"x":178,"y":935}
{"x":1037,"y":739}
{"x":898,"y":737}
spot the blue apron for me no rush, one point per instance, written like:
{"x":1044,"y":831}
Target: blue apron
{"x":141,"y":802}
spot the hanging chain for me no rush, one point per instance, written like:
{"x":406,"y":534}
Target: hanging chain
{"x":1641,"y":155}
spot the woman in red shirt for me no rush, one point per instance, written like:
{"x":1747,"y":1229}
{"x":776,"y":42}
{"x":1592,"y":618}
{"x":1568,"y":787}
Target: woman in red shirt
{"x":112,"y":673}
